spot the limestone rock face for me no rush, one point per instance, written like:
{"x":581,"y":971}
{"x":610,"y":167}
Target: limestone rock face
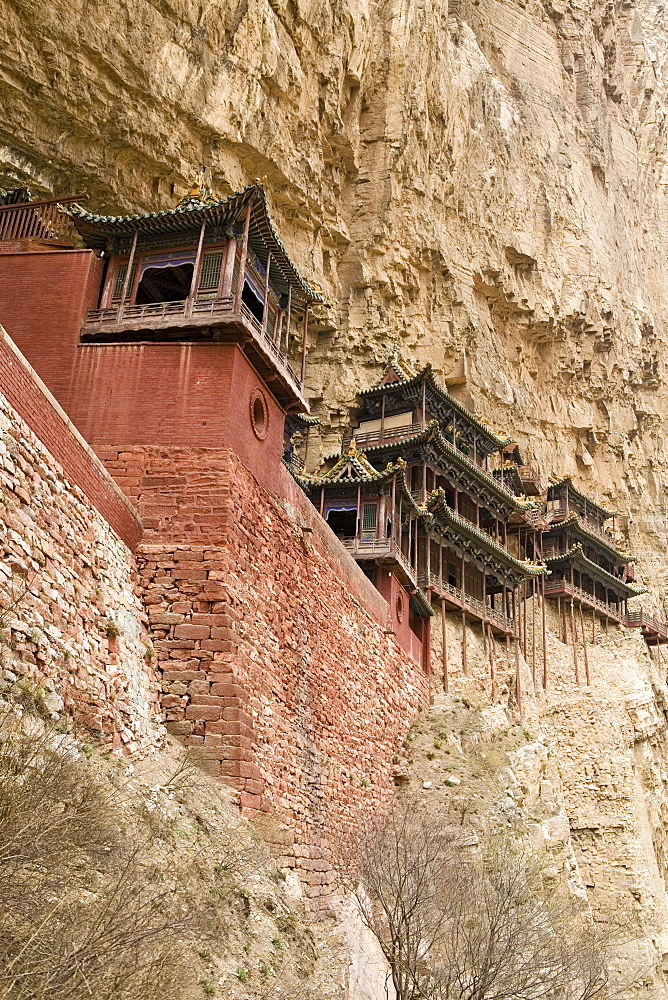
{"x":486,"y":184}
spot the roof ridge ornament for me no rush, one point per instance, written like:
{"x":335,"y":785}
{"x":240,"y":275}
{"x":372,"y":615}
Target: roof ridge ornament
{"x":200,"y":195}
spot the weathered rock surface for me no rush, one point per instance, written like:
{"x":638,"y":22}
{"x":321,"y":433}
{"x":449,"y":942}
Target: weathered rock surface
{"x":485,"y":183}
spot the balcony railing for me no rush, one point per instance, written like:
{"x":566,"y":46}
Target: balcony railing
{"x":563,"y":586}
{"x":377,"y":548}
{"x":388,"y":434}
{"x":530,"y":479}
{"x":183,"y":313}
{"x":38,"y":220}
{"x":469,"y":603}
{"x":638,"y":618}
{"x":561,"y":510}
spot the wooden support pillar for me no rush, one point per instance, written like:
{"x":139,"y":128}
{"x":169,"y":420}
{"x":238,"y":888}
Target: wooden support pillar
{"x":128,"y":275}
{"x":593,"y":626}
{"x":197,"y":270}
{"x":288,"y":317}
{"x":265,"y":307}
{"x":241,"y":277}
{"x":464,"y":652}
{"x":574,"y":636}
{"x":518,"y":677}
{"x":524,"y":618}
{"x":382,"y":419}
{"x":584,"y":646}
{"x":446,"y":685}
{"x":304,"y":336}
{"x":544,"y":630}
{"x":533,"y":631}
{"x":562,"y":610}
{"x":492,"y":662}
{"x":484,"y":604}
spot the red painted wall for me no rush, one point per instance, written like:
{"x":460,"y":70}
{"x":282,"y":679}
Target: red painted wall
{"x":179,"y":394}
{"x":42,"y":414}
{"x":43,"y":301}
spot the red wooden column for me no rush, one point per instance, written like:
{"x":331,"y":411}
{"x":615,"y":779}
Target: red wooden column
{"x":196,"y":271}
{"x":265,"y":307}
{"x":241,"y":277}
{"x":126,"y":283}
{"x":304,"y":335}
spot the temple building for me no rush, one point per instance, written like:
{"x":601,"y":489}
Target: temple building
{"x":198,"y":307}
{"x":587,"y":568}
{"x":413,"y":500}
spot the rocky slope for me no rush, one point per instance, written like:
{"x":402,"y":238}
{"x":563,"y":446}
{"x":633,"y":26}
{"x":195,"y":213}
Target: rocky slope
{"x":485,"y":183}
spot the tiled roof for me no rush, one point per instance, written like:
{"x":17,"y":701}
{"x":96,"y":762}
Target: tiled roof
{"x":573,"y":521}
{"x":95,"y":230}
{"x":439,"y":508}
{"x":409,"y":376}
{"x":557,"y":484}
{"x":576,"y":554}
{"x":432,"y":432}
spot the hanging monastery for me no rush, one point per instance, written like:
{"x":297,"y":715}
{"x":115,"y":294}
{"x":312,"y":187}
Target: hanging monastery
{"x":159,"y":360}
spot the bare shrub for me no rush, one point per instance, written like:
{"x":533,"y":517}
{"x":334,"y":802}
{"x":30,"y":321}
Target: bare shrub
{"x":84,"y":912}
{"x":462,"y":923}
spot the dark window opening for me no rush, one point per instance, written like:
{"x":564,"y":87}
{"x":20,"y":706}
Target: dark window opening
{"x":165,"y":284}
{"x":252,"y":302}
{"x":343,"y":523}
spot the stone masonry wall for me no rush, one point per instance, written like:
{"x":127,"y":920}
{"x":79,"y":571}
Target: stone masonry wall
{"x":73,"y":630}
{"x":276,"y":658}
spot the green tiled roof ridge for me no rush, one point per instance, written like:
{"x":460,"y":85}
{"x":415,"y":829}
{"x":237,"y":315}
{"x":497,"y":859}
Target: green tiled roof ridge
{"x":577,"y":551}
{"x":428,"y":373}
{"x":438,"y":496}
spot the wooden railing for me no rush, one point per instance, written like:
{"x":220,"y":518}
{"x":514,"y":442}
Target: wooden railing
{"x":638,"y":618}
{"x":529,"y":477}
{"x":469,"y":603}
{"x":41,"y":220}
{"x":370,"y":548}
{"x":561,"y":510}
{"x":563,"y":586}
{"x":388,"y":434}
{"x":106,"y":320}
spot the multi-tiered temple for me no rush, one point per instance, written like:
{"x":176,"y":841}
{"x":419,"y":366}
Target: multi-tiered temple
{"x":413,"y":500}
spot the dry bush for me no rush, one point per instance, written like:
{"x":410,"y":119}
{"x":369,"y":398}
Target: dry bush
{"x":457,"y":923}
{"x":83,"y":913}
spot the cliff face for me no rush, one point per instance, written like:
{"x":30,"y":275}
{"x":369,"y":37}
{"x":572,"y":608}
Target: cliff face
{"x":486,"y":184}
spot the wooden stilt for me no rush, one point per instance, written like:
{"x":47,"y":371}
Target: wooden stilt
{"x":524,"y":619}
{"x":564,"y":631}
{"x":574,"y":637}
{"x":464,"y":654}
{"x":584,"y":646}
{"x":518,"y":679}
{"x":445,"y":649}
{"x":593,"y":627}
{"x":533,"y":631}
{"x":542,"y":608}
{"x":492,"y":664}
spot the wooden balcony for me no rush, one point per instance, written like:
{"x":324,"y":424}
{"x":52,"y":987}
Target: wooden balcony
{"x":560,"y":510}
{"x":530,"y":480}
{"x":564,"y":588}
{"x":200,"y":320}
{"x":471,"y":606}
{"x":387,"y":436}
{"x":654,"y":631}
{"x":383,"y":550}
{"x":39,"y":221}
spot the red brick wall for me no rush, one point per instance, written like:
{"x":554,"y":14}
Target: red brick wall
{"x":42,"y":414}
{"x":65,"y":574}
{"x":276,"y":656}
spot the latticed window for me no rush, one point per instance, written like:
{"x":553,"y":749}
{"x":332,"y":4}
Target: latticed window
{"x":210,"y":274}
{"x":369,"y":512}
{"x":120,"y":281}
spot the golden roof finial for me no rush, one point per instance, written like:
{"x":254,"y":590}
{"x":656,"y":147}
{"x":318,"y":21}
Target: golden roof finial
{"x":352,"y":447}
